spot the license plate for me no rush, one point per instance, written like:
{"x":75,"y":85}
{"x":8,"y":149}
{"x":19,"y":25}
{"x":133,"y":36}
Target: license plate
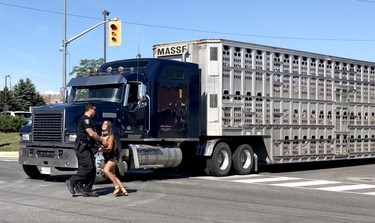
{"x":45,"y":170}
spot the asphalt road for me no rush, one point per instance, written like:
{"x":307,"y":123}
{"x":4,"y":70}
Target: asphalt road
{"x":338,"y":192}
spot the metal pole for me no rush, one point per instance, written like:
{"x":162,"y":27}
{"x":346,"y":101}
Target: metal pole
{"x":105,"y":13}
{"x":64,"y":54}
{"x":5,"y":94}
{"x":6,"y":81}
{"x":83,"y":33}
{"x":64,"y":48}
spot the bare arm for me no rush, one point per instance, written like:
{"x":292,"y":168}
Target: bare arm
{"x":110,"y":144}
{"x":95,"y":136}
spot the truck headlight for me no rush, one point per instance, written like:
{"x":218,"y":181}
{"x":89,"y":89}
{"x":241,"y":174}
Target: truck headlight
{"x":25,"y":137}
{"x":72,"y":138}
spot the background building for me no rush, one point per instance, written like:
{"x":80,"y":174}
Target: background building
{"x":52,"y":98}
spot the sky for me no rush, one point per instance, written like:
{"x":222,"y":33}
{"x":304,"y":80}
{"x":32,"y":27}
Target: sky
{"x":32,"y":31}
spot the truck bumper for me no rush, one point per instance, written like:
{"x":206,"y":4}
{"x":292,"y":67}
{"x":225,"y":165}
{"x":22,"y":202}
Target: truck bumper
{"x":48,"y":157}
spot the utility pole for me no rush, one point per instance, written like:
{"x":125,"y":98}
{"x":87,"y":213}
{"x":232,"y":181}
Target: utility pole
{"x":6,"y":92}
{"x":10,"y":82}
{"x":63,"y":89}
{"x":105,"y":13}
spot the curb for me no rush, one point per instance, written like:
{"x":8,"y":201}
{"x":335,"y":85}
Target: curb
{"x":8,"y":154}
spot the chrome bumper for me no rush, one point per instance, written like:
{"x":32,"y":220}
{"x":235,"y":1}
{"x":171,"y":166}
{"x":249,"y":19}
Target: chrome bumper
{"x":48,"y":157}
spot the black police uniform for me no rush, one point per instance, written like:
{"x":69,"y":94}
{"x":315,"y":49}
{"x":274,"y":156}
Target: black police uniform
{"x":84,"y":146}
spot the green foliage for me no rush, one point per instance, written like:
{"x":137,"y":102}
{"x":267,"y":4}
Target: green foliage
{"x":21,"y":97}
{"x":86,"y":65}
{"x":9,"y":141}
{"x":81,"y":94}
{"x":11,"y":123}
{"x":24,"y":95}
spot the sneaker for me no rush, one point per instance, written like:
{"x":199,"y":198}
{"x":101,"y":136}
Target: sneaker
{"x":78,"y":188}
{"x":89,"y":194}
{"x":70,"y":186}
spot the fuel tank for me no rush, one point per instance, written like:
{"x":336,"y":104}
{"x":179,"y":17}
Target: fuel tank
{"x":146,"y":156}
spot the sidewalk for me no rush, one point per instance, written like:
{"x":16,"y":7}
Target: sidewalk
{"x":8,"y":154}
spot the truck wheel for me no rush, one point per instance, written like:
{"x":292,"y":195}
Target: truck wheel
{"x":99,"y":164}
{"x":220,"y":162}
{"x":243,"y":159}
{"x":33,"y":172}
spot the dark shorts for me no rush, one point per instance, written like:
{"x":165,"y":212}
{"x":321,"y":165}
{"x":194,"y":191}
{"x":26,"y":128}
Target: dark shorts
{"x":110,"y":156}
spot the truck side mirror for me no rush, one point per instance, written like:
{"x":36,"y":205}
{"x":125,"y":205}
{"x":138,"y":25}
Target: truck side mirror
{"x":141,"y":94}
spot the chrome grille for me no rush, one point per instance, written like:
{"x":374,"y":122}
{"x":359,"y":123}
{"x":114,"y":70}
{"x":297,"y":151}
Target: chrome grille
{"x":48,"y":127}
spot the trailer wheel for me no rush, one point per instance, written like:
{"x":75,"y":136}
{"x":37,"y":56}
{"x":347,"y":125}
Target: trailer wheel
{"x":33,"y":172}
{"x":243,"y":159}
{"x":220,"y":162}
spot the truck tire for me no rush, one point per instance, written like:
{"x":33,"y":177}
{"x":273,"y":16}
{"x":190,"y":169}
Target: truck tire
{"x":243,"y":159}
{"x":99,"y":166}
{"x":219,"y":164}
{"x":33,"y":172}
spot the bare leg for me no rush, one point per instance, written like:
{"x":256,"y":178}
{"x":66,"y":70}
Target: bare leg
{"x":108,"y":171}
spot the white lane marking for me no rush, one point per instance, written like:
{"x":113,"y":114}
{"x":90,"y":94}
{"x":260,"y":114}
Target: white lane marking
{"x":242,"y":176}
{"x":9,"y":160}
{"x":228,"y":178}
{"x":264,"y":180}
{"x":302,"y":183}
{"x":347,"y":187}
{"x":306,"y":183}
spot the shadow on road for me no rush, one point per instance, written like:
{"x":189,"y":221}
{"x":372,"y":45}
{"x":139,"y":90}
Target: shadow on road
{"x":132,"y":175}
{"x":164,"y":174}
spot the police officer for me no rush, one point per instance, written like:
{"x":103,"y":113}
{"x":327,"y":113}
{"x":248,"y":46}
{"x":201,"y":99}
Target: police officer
{"x":85,"y":142}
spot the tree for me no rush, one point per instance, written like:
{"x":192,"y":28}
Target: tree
{"x":86,"y":65}
{"x":5,"y":98}
{"x":24,"y":96}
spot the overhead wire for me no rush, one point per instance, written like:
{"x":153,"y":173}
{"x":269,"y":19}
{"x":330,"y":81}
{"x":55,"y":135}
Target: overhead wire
{"x":366,"y":1}
{"x":203,"y":31}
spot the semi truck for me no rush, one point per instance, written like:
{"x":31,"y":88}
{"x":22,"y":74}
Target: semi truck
{"x":226,"y":105}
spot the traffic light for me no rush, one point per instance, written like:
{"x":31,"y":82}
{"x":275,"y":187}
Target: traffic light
{"x":114,"y":33}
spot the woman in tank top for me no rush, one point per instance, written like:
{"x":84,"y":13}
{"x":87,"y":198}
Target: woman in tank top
{"x":111,"y":156}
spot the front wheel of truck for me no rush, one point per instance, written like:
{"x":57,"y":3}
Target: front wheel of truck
{"x":33,"y":172}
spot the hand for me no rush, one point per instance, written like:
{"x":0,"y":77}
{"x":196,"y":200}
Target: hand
{"x":105,"y":143}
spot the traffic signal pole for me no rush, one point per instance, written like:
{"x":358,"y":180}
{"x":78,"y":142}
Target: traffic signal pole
{"x":105,"y":14}
{"x":84,"y":32}
{"x":65,"y":45}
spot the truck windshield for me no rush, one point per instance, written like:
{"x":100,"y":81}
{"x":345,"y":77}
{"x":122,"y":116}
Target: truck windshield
{"x":111,"y":93}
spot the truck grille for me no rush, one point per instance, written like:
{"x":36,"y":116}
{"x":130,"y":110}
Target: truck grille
{"x":48,"y":127}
